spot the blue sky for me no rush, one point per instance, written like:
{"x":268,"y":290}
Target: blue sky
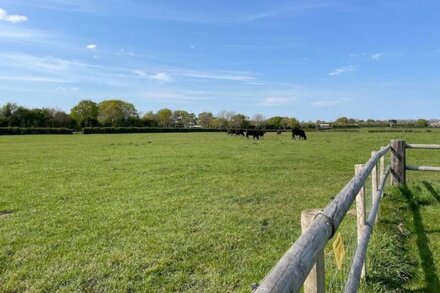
{"x":310,"y":59}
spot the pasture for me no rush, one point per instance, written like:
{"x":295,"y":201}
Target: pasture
{"x":169,"y":212}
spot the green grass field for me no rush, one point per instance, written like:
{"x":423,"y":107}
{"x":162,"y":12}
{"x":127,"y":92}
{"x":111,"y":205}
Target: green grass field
{"x":171,"y":212}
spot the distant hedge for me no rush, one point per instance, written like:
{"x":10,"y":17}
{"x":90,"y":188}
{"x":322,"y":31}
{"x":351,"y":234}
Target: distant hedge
{"x":33,"y":130}
{"x":392,"y":130}
{"x":115,"y":130}
{"x":339,"y":130}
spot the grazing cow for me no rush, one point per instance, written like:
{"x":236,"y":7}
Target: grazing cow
{"x":255,"y":133}
{"x":298,"y":132}
{"x":240,"y":132}
{"x":236,"y":132}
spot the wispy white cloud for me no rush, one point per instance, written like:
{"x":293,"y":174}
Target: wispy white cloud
{"x":161,"y":76}
{"x":91,"y":46}
{"x":256,"y":83}
{"x":46,"y":64}
{"x":161,"y":12}
{"x":358,"y":55}
{"x":177,"y":96}
{"x":342,"y":70}
{"x":285,"y":11}
{"x":35,"y":78}
{"x":14,"y":33}
{"x":67,"y":89}
{"x":12,"y":18}
{"x":219,"y":75}
{"x":275,"y":101}
{"x":128,"y":53}
{"x":140,"y":73}
{"x":81,"y":70}
{"x":377,"y":56}
{"x":67,"y":5}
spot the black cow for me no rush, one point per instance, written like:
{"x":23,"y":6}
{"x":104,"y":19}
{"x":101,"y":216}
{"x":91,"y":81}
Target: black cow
{"x":255,"y":133}
{"x":298,"y":132}
{"x":239,"y":132}
{"x":236,"y":132}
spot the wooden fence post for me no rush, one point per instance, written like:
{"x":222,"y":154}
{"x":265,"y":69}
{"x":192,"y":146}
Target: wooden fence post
{"x":315,"y":282}
{"x":398,"y":163}
{"x":382,"y":166}
{"x":381,"y":174}
{"x":373,"y":181}
{"x":360,"y":213}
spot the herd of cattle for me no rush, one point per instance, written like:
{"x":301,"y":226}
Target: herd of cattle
{"x":257,"y":133}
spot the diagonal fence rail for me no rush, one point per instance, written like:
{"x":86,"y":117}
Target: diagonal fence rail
{"x":303,"y":260}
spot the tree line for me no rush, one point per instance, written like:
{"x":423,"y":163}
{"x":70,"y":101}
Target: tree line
{"x":118,"y":113}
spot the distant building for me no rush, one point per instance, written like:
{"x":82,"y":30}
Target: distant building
{"x":392,"y":122}
{"x":324,"y":126}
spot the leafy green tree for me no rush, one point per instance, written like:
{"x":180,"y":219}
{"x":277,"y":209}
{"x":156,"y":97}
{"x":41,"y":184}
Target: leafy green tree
{"x":206,"y":119}
{"x":274,"y":122}
{"x":342,"y":121}
{"x":149,"y":119}
{"x":219,"y":123}
{"x":40,"y":117}
{"x":422,"y":123}
{"x":85,"y":113}
{"x":116,"y":113}
{"x":21,"y":117}
{"x":181,"y":118}
{"x":6,"y":111}
{"x":163,"y":117}
{"x":61,"y":119}
{"x":293,"y":122}
{"x":239,"y":121}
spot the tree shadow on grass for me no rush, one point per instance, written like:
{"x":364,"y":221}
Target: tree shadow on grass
{"x":432,"y":190}
{"x":426,"y":256}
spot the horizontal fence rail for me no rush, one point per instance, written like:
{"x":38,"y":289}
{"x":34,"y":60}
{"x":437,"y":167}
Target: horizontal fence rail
{"x":306,"y":253}
{"x":423,"y":168}
{"x":354,"y":276}
{"x":289,"y":273}
{"x":426,"y":147}
{"x":422,"y":146}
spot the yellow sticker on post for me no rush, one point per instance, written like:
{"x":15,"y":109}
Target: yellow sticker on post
{"x":339,"y":250}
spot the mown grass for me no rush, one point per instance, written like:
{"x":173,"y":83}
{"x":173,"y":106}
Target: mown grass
{"x":169,"y":212}
{"x":411,"y":221}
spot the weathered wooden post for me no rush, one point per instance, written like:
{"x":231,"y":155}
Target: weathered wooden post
{"x":382,"y":166}
{"x":373,"y":180}
{"x":315,"y":282}
{"x":381,"y":174}
{"x":398,"y":163}
{"x":360,"y":214}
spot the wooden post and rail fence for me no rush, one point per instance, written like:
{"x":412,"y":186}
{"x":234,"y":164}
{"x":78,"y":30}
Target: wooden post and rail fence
{"x":303,"y":264}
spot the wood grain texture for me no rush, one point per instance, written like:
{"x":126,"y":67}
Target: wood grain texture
{"x":315,"y":282}
{"x":398,"y":162}
{"x":290,"y":272}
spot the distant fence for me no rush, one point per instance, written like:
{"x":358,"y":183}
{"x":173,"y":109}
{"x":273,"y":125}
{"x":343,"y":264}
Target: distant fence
{"x":303,"y":264}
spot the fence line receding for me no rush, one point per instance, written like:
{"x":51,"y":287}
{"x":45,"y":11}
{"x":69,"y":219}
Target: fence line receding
{"x":304,"y":259}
